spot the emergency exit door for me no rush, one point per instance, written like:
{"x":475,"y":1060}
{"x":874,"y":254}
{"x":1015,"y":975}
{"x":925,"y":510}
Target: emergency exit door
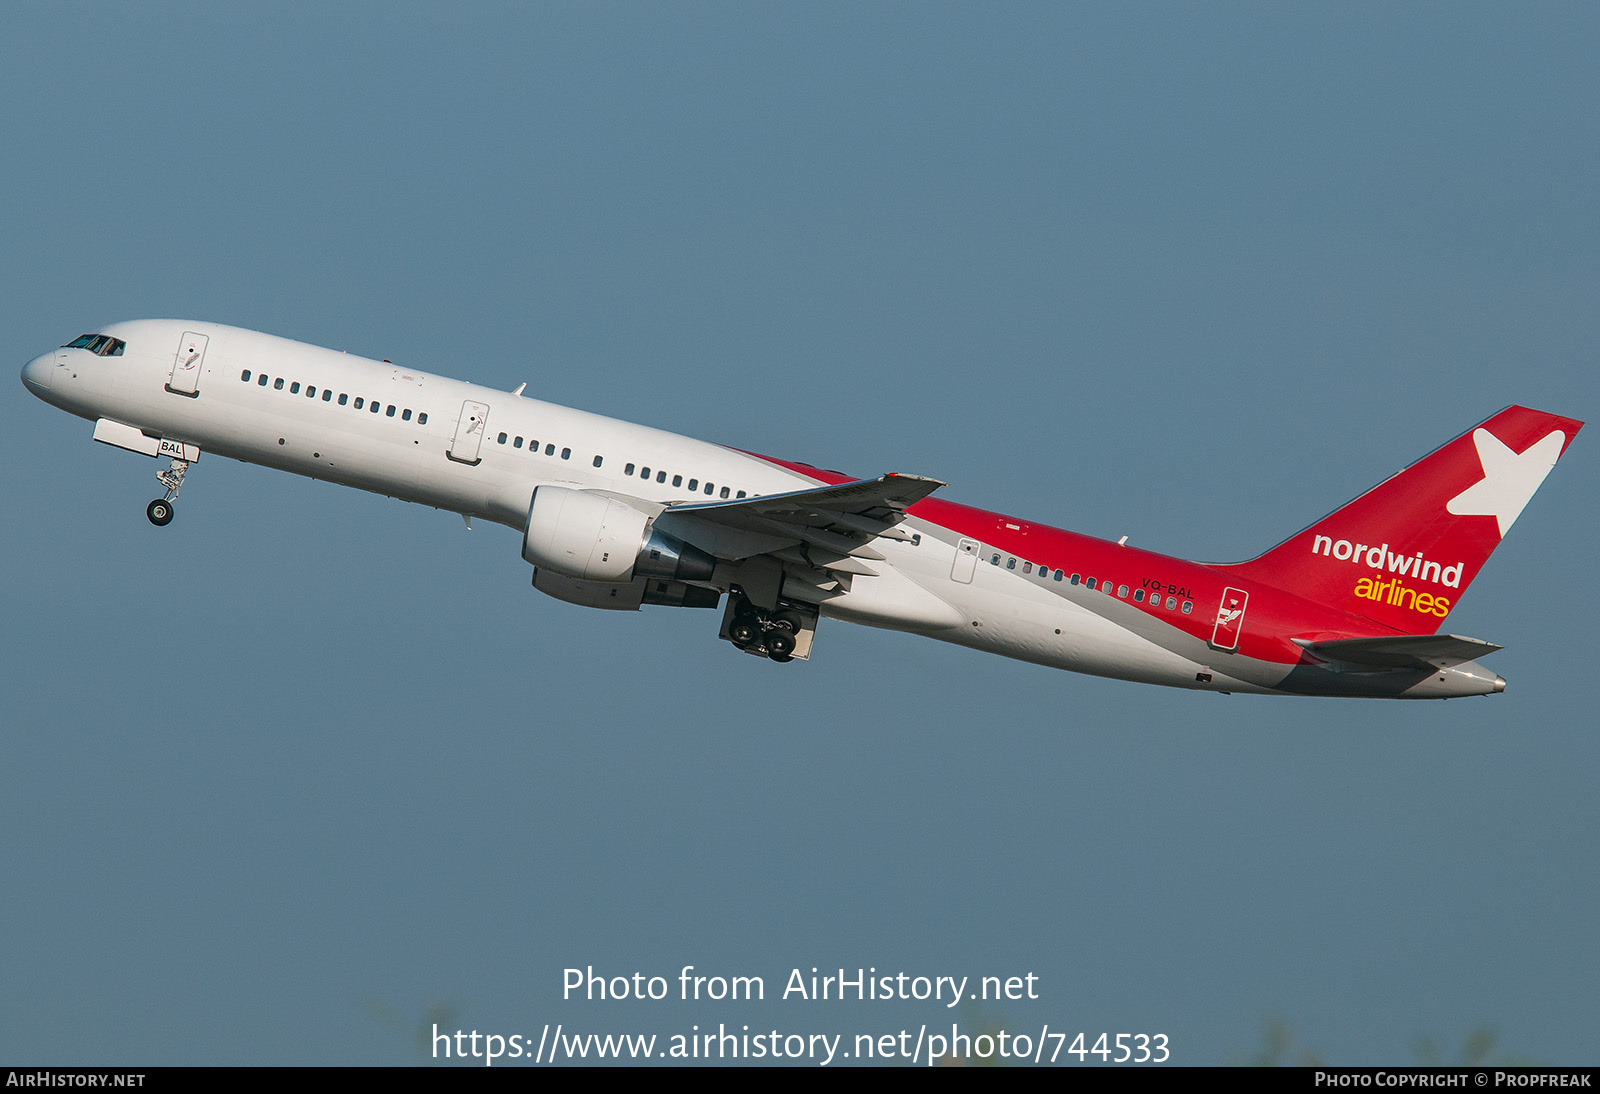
{"x":966,"y":561}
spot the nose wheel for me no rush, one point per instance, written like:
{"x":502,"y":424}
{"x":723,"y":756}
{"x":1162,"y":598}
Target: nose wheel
{"x":160,"y":510}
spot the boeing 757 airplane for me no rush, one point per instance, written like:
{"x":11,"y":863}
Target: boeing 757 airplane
{"x":614,"y":515}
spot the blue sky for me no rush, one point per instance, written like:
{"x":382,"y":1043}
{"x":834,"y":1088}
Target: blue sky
{"x":285,"y":778}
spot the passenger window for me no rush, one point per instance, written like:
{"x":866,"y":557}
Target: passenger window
{"x":709,"y":488}
{"x":390,"y":414}
{"x":360,"y":402}
{"x":245,"y":376}
{"x":502,"y":438}
{"x":628,"y":470}
{"x":277,"y":385}
{"x":327,"y":394}
{"x":644,"y":472}
{"x":263,"y":381}
{"x":1088,"y":583}
{"x":724,"y":491}
{"x":1073,"y":580}
{"x":1011,"y":564}
{"x":1172,"y":602}
{"x":1122,"y":590}
{"x":661,"y":476}
{"x":566,"y":453}
{"x":1027,"y":567}
{"x":514,"y":444}
{"x":294,"y":388}
{"x":311,"y":392}
{"x":405,"y":416}
{"x":1138,"y":596}
{"x":422,"y":418}
{"x":1059,"y":575}
{"x":677,"y":480}
{"x":598,"y":460}
{"x":549,"y":450}
{"x":374,"y":406}
{"x":1188,"y":606}
{"x":740,"y":494}
{"x":343,"y":398}
{"x":694,"y":484}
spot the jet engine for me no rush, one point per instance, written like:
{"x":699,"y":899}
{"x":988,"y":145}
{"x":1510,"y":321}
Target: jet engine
{"x":584,"y":535}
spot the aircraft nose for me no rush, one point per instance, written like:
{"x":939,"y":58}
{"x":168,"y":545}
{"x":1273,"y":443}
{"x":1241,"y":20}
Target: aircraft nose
{"x":36,"y":373}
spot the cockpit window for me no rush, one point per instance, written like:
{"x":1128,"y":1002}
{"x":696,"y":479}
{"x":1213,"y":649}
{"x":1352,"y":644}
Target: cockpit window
{"x":102,"y":345}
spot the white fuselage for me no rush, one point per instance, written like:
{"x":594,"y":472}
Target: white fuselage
{"x":949,"y":572}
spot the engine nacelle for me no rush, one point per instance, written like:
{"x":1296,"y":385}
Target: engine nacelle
{"x":625,"y":596}
{"x":583,"y":535}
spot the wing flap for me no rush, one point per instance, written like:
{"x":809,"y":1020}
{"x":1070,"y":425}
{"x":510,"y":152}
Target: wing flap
{"x":830,"y":561}
{"x":824,"y":539}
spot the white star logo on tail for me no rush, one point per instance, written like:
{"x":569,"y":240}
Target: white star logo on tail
{"x":1509,"y":480}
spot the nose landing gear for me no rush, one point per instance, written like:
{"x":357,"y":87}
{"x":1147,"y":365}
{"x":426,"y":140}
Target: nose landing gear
{"x":160,"y":510}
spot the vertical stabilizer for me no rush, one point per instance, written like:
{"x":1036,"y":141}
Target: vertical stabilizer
{"x":1403,"y":553}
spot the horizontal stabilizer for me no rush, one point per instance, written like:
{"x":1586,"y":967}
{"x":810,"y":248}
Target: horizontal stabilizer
{"x":1404,"y":651}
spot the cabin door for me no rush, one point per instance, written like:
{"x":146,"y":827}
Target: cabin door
{"x":1230,"y":618}
{"x":185,"y":379}
{"x":469,"y":433}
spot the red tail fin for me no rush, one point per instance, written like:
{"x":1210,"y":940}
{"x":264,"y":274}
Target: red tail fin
{"x":1403,"y":553}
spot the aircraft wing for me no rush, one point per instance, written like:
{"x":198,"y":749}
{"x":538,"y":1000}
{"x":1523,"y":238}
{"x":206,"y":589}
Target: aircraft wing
{"x":1404,"y":651}
{"x":828,"y":529}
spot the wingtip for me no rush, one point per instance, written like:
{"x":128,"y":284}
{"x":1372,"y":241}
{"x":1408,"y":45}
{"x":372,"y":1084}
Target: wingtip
{"x":936,"y":483}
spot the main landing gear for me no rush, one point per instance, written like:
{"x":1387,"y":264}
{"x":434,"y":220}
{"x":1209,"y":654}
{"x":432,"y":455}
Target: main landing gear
{"x":781,"y":635}
{"x":160,"y":510}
